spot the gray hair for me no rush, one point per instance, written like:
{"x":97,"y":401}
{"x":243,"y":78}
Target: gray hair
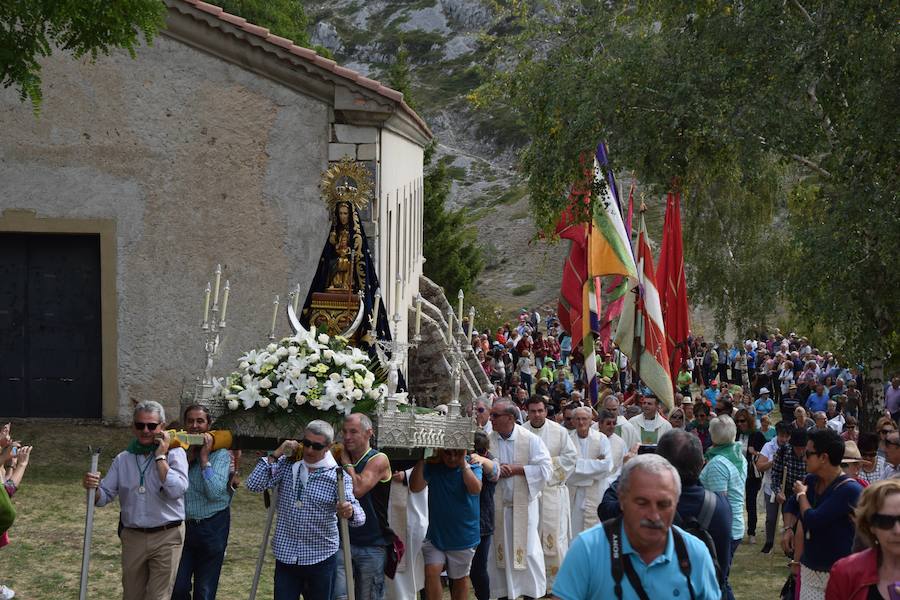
{"x":507,"y":407}
{"x":484,"y":399}
{"x":150,"y":406}
{"x":648,"y":463}
{"x":819,"y":414}
{"x":722,"y":430}
{"x":364,"y":421}
{"x":583,"y":410}
{"x":322,"y":428}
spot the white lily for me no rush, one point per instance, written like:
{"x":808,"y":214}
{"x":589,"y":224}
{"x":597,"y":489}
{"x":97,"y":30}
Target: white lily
{"x":282,"y":391}
{"x":250,"y":395}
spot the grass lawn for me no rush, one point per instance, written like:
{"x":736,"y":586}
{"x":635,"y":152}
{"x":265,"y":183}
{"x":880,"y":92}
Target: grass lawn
{"x":43,"y":561}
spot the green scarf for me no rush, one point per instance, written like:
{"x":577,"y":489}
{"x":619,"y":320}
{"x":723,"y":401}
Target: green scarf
{"x":730,"y":451}
{"x":135,"y":447}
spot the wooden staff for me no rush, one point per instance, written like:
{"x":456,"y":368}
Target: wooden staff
{"x":88,"y":525}
{"x":272,"y":503}
{"x":345,"y":538}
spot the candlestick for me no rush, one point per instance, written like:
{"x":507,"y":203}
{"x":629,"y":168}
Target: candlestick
{"x":418,"y":314}
{"x":216,"y":293}
{"x":471,"y":321}
{"x":296,"y":298}
{"x":450,"y":326}
{"x":225,"y":302}
{"x":459,"y":313}
{"x":373,"y":318}
{"x":206,"y":307}
{"x":274,"y":318}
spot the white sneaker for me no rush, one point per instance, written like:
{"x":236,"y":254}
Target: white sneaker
{"x":752,"y":539}
{"x":6,"y":593}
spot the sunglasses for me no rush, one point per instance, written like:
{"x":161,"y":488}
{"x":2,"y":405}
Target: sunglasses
{"x":498,"y":415}
{"x":741,"y":421}
{"x":810,"y":453}
{"x":886,"y":431}
{"x":880,"y":521}
{"x":147,"y":426}
{"x":676,"y":418}
{"x":314,"y":445}
{"x":480,"y":409}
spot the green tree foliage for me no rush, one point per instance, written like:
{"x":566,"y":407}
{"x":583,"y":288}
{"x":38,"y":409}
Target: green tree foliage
{"x":34,"y":29}
{"x":285,"y":18}
{"x":453,"y":258}
{"x":779,"y":121}
{"x":398,"y":75}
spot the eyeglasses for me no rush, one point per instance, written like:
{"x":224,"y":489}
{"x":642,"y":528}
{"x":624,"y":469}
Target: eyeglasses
{"x":498,"y":415}
{"x":148,"y":426}
{"x":880,"y":521}
{"x":314,"y":445}
{"x":676,"y":418}
{"x":810,"y":453}
{"x":886,"y":431}
{"x":480,"y":409}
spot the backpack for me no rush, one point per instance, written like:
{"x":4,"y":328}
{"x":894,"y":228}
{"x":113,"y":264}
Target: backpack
{"x":699,"y":528}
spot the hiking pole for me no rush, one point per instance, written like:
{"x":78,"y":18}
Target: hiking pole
{"x":345,"y":538}
{"x":271,"y":503}
{"x":88,"y":525}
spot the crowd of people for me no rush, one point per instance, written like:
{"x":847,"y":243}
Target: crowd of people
{"x":564,"y":495}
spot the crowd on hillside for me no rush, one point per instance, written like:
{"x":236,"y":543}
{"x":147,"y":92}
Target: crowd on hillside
{"x":778,"y":424}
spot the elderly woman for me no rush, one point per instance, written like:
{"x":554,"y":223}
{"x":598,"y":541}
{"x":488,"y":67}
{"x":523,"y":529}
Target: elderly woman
{"x":726,"y":472}
{"x":676,"y":419}
{"x":752,"y":442}
{"x":851,"y":430}
{"x":873,"y":573}
{"x":801,"y":421}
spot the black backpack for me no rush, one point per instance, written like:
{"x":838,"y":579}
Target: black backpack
{"x":699,"y":528}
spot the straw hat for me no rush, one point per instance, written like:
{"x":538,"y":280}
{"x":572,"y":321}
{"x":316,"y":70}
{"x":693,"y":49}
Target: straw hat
{"x":851,"y":452}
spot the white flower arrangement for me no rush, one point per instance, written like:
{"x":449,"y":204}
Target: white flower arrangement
{"x":308,"y":374}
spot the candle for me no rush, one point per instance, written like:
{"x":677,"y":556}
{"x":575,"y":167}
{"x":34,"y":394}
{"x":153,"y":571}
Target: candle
{"x":296,"y":297}
{"x":450,"y":326}
{"x":206,"y":305}
{"x":471,"y":321}
{"x":373,"y":318}
{"x":216,"y":292}
{"x":274,"y":317}
{"x":418,"y":314}
{"x":225,"y":302}
{"x":459,"y":313}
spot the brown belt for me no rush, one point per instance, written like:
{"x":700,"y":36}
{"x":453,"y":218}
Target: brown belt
{"x":171,"y":525}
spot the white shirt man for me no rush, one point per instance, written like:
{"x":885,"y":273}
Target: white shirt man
{"x":593,"y":466}
{"x":554,"y":501}
{"x":516,"y":564}
{"x":650,"y":424}
{"x":607,"y":426}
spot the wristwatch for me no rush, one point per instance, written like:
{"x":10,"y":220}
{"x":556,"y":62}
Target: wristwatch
{"x":160,"y":457}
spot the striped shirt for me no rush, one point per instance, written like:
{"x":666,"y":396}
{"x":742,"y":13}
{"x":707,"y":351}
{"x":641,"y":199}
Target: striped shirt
{"x":721,"y":476}
{"x":208,"y":491}
{"x":307,"y":534}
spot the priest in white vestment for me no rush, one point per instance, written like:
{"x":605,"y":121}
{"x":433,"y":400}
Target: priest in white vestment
{"x":516,"y":564}
{"x":624,"y":429}
{"x":650,"y":424}
{"x":593,"y":466}
{"x":408,"y":518}
{"x":607,"y":426}
{"x":554,"y":503}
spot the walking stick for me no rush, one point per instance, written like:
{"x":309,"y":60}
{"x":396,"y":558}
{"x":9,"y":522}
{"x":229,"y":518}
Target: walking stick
{"x":271,"y":503}
{"x":88,"y":525}
{"x":345,"y":538}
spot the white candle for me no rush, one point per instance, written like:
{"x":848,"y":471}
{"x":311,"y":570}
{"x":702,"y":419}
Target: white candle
{"x":459,"y":313}
{"x":225,"y":302}
{"x":418,"y":314}
{"x":471,"y":321}
{"x":206,"y":305}
{"x":373,"y":318}
{"x":274,"y":316}
{"x":450,"y":326}
{"x":296,"y":297}
{"x":216,"y":289}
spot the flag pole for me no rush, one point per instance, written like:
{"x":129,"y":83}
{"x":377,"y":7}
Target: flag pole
{"x":271,"y":503}
{"x":88,"y":525}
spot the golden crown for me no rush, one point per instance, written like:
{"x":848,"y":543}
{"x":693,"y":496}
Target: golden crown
{"x":346,"y":181}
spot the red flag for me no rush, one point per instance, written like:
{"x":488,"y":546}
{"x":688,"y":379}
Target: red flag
{"x":673,"y":289}
{"x":569,"y":310}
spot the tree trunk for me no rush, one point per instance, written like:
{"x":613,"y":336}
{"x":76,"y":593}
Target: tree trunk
{"x":873,"y":403}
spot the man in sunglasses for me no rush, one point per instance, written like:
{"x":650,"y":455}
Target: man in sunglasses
{"x":150,"y":480}
{"x":305,"y":543}
{"x":891,"y":455}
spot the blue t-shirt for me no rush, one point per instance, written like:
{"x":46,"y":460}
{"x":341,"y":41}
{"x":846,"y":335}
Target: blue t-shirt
{"x":711,"y":394}
{"x":817,"y":403}
{"x":586,"y":573}
{"x":447,"y":495}
{"x":763,"y":406}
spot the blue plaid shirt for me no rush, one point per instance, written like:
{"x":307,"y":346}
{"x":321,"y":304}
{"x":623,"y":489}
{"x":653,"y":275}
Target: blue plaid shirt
{"x":309,"y":534}
{"x":208,"y":492}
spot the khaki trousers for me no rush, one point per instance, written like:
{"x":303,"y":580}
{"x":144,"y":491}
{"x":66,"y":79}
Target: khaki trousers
{"x":150,"y":563}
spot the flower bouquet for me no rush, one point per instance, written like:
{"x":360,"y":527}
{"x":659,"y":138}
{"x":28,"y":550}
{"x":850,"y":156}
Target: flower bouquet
{"x":277,"y":390}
